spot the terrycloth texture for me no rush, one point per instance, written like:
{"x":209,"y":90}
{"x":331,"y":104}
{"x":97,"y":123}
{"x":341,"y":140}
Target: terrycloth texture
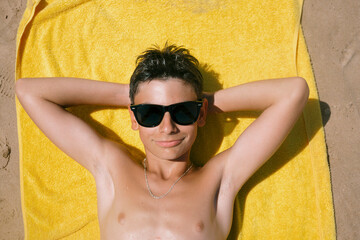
{"x":236,"y":42}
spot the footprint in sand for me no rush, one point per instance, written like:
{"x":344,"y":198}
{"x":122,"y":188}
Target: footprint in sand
{"x":5,"y":152}
{"x":6,"y":81}
{"x":10,"y":14}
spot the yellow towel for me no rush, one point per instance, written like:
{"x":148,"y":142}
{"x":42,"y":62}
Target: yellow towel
{"x":236,"y":42}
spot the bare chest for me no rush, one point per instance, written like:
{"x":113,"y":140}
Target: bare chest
{"x":189,"y":211}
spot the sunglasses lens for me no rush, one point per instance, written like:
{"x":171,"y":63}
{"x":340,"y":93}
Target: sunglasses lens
{"x":185,"y":113}
{"x":149,"y":115}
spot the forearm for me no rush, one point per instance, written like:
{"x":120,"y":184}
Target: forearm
{"x":73,"y":91}
{"x":259,"y":95}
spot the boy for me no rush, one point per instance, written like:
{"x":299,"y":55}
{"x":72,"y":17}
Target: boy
{"x":166,"y":197}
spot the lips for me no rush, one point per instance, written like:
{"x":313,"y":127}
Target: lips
{"x":168,"y":143}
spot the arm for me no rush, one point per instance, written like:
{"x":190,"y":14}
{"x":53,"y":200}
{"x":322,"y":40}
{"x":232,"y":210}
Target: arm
{"x":281,"y":102}
{"x":45,"y":100}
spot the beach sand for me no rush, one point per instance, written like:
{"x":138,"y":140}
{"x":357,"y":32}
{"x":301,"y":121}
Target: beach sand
{"x":332,"y":32}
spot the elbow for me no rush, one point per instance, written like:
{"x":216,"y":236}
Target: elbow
{"x":24,"y":88}
{"x":300,"y":90}
{"x":20,"y":88}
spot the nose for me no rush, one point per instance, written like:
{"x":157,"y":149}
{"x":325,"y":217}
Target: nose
{"x":167,"y":125}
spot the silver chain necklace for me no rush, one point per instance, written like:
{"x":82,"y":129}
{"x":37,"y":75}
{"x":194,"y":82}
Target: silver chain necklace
{"x":172,"y":186}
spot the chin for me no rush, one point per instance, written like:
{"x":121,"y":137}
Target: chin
{"x":170,"y":154}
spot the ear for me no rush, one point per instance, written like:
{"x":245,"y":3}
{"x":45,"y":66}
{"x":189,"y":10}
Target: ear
{"x":134,"y":123}
{"x":203,"y":113}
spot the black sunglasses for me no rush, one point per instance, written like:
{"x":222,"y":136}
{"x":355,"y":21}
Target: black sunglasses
{"x":151,"y":115}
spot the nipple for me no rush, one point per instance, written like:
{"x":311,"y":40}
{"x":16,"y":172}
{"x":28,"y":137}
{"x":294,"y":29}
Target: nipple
{"x":121,"y":218}
{"x":199,"y":226}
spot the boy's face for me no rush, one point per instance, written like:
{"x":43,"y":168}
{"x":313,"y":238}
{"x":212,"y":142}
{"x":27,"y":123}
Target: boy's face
{"x":168,"y":140}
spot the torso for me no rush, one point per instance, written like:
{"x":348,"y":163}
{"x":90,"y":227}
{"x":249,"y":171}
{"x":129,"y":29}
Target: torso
{"x":196,"y":208}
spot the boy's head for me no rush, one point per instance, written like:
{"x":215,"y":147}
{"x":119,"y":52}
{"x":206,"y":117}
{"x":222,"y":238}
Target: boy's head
{"x":164,"y":90}
{"x":169,"y":62}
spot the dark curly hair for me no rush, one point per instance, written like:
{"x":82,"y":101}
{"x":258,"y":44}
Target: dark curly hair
{"x":170,"y":62}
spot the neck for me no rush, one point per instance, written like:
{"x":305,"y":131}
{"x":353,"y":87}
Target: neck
{"x":167,"y":169}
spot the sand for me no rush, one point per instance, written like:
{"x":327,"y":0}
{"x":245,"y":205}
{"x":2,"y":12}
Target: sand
{"x":332,"y":32}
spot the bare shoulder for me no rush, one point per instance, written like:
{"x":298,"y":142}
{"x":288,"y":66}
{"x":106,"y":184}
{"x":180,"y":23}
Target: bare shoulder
{"x":114,"y":156}
{"x":216,"y":163}
{"x":226,"y":191}
{"x":218,"y":167}
{"x":215,"y":167}
{"x":110,"y":168}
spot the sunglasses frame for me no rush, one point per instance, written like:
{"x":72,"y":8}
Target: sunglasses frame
{"x":165,"y":109}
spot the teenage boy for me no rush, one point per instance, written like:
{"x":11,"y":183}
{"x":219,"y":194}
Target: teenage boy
{"x":165,"y":197}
